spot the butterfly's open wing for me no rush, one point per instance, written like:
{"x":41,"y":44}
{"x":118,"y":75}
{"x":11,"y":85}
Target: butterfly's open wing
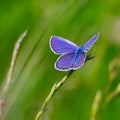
{"x":61,"y":46}
{"x":79,"y":60}
{"x":65,"y":62}
{"x":90,"y":43}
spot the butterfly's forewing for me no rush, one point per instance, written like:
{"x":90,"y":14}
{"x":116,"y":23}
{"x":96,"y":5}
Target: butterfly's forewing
{"x":90,"y":43}
{"x":65,"y":62}
{"x":61,"y":46}
{"x":79,"y":60}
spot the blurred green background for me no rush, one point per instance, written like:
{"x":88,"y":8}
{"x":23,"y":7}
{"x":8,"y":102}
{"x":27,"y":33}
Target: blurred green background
{"x":34,"y":75}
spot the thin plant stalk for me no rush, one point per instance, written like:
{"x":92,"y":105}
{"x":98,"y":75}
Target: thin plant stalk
{"x":114,"y":94}
{"x":53,"y":90}
{"x":113,"y":71}
{"x":96,"y":104}
{"x":10,"y":74}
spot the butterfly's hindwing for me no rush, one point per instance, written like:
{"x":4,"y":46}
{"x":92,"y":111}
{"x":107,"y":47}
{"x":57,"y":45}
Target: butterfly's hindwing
{"x":65,"y":62}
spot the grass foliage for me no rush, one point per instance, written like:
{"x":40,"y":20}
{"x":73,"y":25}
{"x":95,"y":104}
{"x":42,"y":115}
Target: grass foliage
{"x":34,"y":73}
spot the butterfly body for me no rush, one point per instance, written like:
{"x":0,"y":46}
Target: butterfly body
{"x":79,"y":50}
{"x":77,"y":53}
{"x":72,"y":56}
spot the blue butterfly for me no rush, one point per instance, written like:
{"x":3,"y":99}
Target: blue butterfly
{"x":72,"y":56}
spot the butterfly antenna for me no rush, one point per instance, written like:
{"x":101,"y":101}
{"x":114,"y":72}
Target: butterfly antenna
{"x":89,"y":57}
